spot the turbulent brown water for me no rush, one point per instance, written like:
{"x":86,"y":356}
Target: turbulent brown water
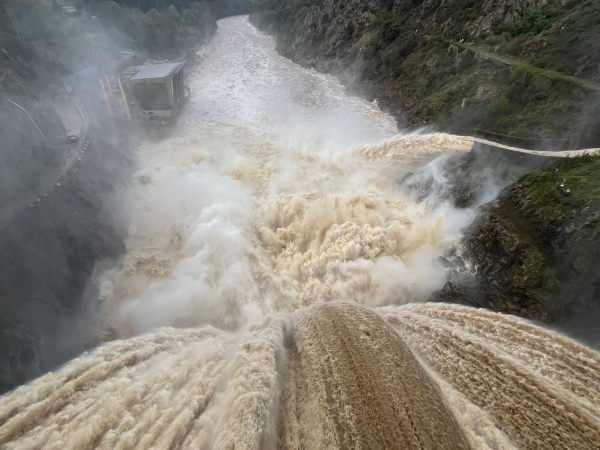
{"x":271,"y":296}
{"x":335,"y":375}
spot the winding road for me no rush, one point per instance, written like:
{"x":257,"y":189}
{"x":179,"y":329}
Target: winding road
{"x":76,"y":121}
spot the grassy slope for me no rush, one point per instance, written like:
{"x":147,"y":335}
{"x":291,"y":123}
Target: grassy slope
{"x":442,"y":87}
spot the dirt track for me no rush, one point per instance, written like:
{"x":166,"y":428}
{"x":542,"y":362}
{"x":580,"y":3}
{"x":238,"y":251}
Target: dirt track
{"x":353,"y":383}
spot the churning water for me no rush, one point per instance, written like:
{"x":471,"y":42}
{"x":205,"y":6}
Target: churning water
{"x":275,"y":202}
{"x":278,"y":190}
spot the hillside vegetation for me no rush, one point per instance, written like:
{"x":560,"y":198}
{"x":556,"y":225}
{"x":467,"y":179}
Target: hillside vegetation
{"x":536,"y":249}
{"x":462,"y":65}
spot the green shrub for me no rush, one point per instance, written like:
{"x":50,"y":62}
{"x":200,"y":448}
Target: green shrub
{"x":382,"y":16}
{"x":495,"y":39}
{"x":390,"y":32}
{"x":466,"y":61}
{"x":533,"y":22}
{"x":499,"y":105}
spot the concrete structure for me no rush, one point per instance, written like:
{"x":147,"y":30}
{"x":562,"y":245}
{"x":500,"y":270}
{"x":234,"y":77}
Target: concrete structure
{"x":153,"y":94}
{"x":156,"y":88}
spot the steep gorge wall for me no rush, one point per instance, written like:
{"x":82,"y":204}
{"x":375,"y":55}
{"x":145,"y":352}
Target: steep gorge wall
{"x":533,"y":252}
{"x":405,"y":54}
{"x":49,"y":251}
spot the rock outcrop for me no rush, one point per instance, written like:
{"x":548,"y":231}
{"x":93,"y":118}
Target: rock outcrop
{"x":534,"y":252}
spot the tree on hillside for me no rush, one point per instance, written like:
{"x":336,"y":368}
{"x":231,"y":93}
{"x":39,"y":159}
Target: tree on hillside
{"x":159,"y":31}
{"x":173,"y":14}
{"x":534,"y":21}
{"x":109,"y":13}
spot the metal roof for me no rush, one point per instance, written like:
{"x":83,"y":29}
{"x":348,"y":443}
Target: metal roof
{"x":150,"y":71}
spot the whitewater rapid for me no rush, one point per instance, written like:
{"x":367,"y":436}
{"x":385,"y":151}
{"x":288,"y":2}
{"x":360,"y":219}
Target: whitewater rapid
{"x":272,"y":294}
{"x":276,"y":190}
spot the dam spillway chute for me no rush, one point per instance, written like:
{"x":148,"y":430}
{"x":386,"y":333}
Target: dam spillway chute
{"x":332,"y":376}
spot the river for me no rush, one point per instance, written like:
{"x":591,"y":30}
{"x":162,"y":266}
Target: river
{"x":272,"y":193}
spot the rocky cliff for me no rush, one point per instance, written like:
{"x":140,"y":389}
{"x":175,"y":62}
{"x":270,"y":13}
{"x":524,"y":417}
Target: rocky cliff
{"x":527,"y":68}
{"x":534,"y":251}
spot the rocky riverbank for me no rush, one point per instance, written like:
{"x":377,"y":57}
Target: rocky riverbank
{"x":534,"y":251}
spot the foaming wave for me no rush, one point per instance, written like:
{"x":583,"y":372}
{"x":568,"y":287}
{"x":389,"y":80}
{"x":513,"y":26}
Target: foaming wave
{"x":332,"y":247}
{"x":266,"y":203}
{"x":520,"y":374}
{"x":173,"y":389}
{"x":418,"y":146}
{"x":205,"y":239}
